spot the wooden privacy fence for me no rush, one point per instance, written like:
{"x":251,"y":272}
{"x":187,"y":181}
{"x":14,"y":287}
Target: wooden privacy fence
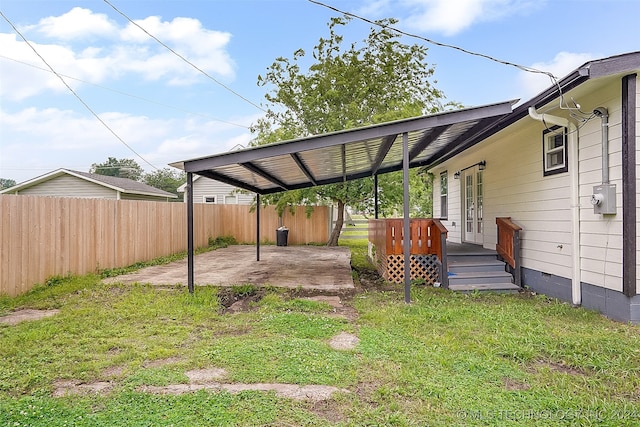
{"x":42,"y":237}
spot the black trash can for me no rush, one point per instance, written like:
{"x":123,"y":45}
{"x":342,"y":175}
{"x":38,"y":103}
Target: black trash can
{"x":282,"y":234}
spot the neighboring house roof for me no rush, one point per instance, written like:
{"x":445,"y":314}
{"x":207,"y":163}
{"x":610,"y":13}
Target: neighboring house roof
{"x":123,"y":185}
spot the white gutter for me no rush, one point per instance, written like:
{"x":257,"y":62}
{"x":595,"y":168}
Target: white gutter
{"x":576,"y":291}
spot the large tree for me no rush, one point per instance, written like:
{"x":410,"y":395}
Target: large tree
{"x":122,"y":168}
{"x":166,"y":179}
{"x":346,"y":87}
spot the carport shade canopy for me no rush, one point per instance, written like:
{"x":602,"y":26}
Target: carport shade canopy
{"x":347,"y":155}
{"x":350,"y":154}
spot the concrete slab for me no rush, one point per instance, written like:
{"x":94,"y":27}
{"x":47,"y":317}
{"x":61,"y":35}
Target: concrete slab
{"x":308,"y":267}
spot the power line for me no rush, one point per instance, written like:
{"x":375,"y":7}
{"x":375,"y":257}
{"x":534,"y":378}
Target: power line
{"x":185,"y":59}
{"x":553,"y":78}
{"x":128,"y":94}
{"x":74,"y":93}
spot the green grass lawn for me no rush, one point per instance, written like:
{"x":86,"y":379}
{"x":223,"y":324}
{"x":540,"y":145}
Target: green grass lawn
{"x":446,"y":359}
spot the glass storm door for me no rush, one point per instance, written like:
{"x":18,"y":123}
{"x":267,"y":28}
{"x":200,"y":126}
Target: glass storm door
{"x":472,"y":199}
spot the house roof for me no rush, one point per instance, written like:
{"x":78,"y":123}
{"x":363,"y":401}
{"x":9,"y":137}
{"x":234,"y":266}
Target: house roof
{"x":123,"y":185}
{"x":346,"y":155}
{"x":597,"y":72}
{"x":357,"y":153}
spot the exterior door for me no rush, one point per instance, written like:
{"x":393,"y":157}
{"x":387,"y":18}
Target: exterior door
{"x":473,"y":192}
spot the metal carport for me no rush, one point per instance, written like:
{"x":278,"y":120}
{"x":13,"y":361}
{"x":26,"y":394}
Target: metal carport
{"x":344,"y":156}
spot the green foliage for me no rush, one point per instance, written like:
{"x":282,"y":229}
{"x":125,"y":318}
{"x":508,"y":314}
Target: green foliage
{"x":347,"y":87}
{"x":6,"y":183}
{"x":245,"y":290}
{"x":166,"y":179}
{"x":221,"y":242}
{"x":121,"y":168}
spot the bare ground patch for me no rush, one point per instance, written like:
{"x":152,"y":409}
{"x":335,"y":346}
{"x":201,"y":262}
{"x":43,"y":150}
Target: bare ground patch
{"x":203,"y":379}
{"x":344,"y":341}
{"x":291,"y":391}
{"x":330,"y":410}
{"x":514,"y":385}
{"x":74,"y":388}
{"x":539,"y":365}
{"x":27,"y":314}
{"x":161,"y":362}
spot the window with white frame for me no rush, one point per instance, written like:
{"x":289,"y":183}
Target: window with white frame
{"x":230,"y":200}
{"x":554,"y":150}
{"x":208,"y":199}
{"x":444,"y":193}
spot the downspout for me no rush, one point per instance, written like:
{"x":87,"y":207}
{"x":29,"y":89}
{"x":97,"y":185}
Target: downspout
{"x":576,"y":291}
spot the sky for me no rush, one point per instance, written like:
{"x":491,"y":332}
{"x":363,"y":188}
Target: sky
{"x":136,"y":99}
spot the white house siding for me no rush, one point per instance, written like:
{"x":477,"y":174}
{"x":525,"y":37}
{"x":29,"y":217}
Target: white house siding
{"x":514,"y":186}
{"x":69,"y":186}
{"x":203,"y":187}
{"x":601,"y":235}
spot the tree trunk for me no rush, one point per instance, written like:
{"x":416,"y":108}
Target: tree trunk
{"x":335,"y":234}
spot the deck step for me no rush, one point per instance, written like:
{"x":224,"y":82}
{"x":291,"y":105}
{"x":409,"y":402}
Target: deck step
{"x":476,"y":266}
{"x":471,"y":257}
{"x":485,"y":287}
{"x":479,"y":277}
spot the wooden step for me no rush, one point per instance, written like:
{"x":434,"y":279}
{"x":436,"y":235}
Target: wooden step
{"x":476,"y":266}
{"x":478,"y":277}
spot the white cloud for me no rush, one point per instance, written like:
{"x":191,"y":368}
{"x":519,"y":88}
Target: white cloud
{"x":205,"y":48}
{"x":449,"y":17}
{"x":95,"y":49}
{"x":56,"y":138}
{"x":561,"y":65}
{"x":75,"y":24}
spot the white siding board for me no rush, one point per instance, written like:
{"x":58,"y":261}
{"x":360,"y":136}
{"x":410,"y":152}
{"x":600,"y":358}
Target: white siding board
{"x":207,"y":187}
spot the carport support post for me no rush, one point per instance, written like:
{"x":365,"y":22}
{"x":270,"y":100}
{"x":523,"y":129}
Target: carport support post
{"x":406,"y":229}
{"x":190,"y":231}
{"x":375,"y":196}
{"x":257,"y":226}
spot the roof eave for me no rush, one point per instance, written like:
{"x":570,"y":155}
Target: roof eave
{"x":606,"y":67}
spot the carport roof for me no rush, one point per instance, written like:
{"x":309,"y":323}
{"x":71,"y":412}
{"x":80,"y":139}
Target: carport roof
{"x":350,"y":154}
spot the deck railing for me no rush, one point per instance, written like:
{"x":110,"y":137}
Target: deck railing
{"x":427,"y":237}
{"x":508,"y":246}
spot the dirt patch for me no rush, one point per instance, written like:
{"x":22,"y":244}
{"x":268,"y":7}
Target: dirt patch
{"x":338,"y":303}
{"x":291,"y":391}
{"x":75,"y":388}
{"x":161,"y":362}
{"x":330,"y":410}
{"x":513,"y":385}
{"x":231,"y":302}
{"x":114,"y":372}
{"x":344,"y":341}
{"x":556,"y":367}
{"x":201,"y":379}
{"x":27,"y":314}
{"x":370,"y":279}
{"x":205,"y":376}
